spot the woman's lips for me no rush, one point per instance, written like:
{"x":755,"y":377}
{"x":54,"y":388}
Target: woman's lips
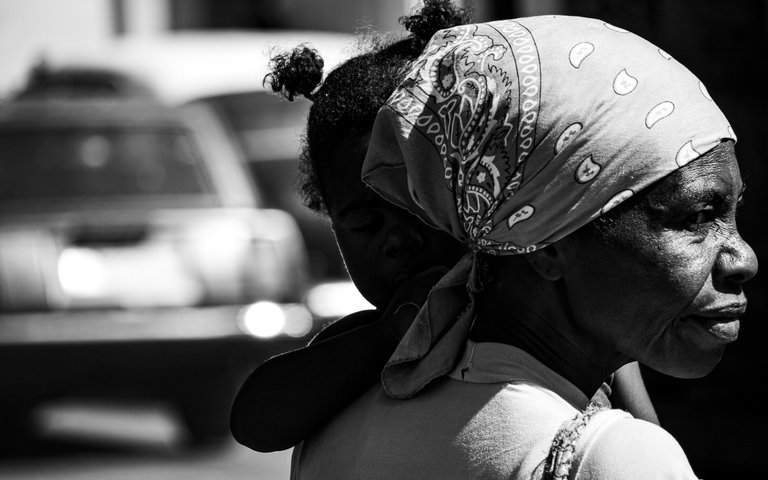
{"x":725,"y":329}
{"x":722,"y":326}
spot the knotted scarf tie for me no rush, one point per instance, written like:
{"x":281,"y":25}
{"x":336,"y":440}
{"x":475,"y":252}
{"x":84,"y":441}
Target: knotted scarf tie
{"x":512,"y":134}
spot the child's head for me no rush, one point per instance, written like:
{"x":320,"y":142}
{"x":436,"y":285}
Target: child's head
{"x":382,"y":245}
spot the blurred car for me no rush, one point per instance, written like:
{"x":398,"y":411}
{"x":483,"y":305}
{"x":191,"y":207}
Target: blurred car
{"x":152,"y":240}
{"x":267,"y":128}
{"x":223,"y":71}
{"x":137,"y":259}
{"x":82,"y":82}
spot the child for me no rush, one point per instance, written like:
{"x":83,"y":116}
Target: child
{"x":392,"y":257}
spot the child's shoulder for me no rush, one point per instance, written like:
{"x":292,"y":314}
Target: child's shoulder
{"x":347,"y":323}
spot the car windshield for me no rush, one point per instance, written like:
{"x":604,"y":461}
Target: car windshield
{"x":273,"y":133}
{"x":75,"y":163}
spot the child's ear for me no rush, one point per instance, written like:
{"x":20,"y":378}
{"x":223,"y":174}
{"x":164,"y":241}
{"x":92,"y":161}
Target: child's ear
{"x":546,"y":262}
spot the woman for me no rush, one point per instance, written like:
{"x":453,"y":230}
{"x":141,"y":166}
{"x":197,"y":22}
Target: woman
{"x":595,"y":181}
{"x":390,"y":254}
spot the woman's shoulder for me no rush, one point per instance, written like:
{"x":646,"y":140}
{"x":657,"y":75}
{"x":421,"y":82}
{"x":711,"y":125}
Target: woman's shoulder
{"x":616,"y":445}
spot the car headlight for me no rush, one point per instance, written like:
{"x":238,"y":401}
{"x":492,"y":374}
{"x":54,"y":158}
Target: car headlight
{"x":82,"y":272}
{"x":268,"y":320}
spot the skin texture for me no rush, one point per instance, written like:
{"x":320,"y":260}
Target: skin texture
{"x":394,"y":259}
{"x":382,"y":245}
{"x":683,"y":263}
{"x":660,"y":282}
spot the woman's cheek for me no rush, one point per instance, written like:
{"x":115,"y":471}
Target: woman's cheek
{"x":690,"y":269}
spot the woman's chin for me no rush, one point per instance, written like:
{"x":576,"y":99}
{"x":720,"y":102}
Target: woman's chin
{"x":690,"y":366}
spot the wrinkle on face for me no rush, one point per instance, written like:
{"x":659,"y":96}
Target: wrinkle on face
{"x":636,"y":278}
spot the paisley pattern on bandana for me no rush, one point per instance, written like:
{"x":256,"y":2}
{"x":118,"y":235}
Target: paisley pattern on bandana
{"x":536,"y":126}
{"x":513,"y":134}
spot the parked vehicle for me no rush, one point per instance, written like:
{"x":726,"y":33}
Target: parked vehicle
{"x":137,"y":259}
{"x":152,"y":241}
{"x":224,"y":72}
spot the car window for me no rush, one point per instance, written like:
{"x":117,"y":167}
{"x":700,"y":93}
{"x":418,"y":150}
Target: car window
{"x":268,"y":130}
{"x":68,"y":163}
{"x":267,"y":127}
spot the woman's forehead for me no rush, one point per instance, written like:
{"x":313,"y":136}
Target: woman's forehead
{"x":715,"y":171}
{"x":539,"y":163}
{"x":711,"y":180}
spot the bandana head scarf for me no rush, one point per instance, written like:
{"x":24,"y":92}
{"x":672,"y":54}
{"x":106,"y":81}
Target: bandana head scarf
{"x":513,"y":134}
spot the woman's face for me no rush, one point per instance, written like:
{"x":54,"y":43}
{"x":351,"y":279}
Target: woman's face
{"x":382,"y":245}
{"x":663,"y":283}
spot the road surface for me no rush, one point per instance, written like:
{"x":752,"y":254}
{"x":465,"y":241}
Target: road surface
{"x":97,"y":442}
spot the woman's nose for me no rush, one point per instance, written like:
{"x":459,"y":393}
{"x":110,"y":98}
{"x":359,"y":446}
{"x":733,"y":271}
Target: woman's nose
{"x":737,"y":261}
{"x":402,"y":240}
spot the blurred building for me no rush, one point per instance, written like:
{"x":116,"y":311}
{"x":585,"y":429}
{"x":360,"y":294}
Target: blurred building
{"x":29,"y":28}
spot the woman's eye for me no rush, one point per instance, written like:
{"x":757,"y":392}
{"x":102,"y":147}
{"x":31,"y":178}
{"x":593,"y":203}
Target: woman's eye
{"x":700,"y":217}
{"x":697,"y":218}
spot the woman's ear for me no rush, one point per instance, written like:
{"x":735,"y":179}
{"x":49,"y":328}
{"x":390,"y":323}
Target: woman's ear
{"x":546,"y":262}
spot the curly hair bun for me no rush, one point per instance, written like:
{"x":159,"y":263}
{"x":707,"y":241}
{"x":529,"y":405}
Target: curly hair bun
{"x":296,"y":73}
{"x":434,"y":15}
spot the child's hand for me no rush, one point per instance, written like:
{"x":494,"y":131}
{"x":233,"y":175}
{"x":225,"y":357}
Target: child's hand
{"x":408,"y":299}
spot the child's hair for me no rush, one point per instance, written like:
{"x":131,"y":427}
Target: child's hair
{"x":351,"y":95}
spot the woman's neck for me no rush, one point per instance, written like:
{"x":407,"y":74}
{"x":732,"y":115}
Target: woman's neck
{"x":535,"y":318}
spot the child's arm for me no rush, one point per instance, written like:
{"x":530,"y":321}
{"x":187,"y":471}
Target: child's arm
{"x":290,"y":395}
{"x":630,"y":394}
